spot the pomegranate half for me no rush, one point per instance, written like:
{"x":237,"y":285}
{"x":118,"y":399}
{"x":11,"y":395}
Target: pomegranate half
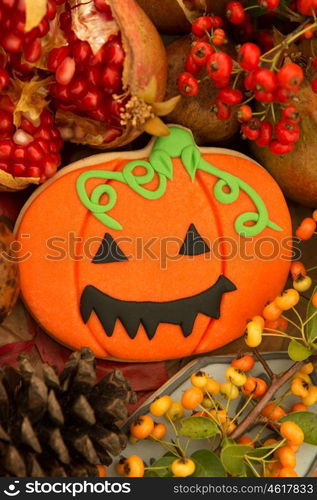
{"x":99,"y":70}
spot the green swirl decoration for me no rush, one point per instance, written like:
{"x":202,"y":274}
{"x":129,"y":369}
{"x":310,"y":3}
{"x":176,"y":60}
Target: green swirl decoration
{"x":179,"y":143}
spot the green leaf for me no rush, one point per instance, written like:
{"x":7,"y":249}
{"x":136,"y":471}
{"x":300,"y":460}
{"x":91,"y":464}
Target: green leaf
{"x":232,"y":458}
{"x":191,"y":157}
{"x":307,"y":421}
{"x":312,"y":324}
{"x":198,"y":427}
{"x":166,"y":462}
{"x":208,"y":464}
{"x":162,"y":163}
{"x":227,"y":441}
{"x":297,"y":351}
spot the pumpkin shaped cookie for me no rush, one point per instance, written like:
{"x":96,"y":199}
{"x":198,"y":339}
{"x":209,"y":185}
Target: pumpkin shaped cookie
{"x":154,"y":254}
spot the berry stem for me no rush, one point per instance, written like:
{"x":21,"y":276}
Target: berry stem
{"x":263,"y":363}
{"x":277,"y":383}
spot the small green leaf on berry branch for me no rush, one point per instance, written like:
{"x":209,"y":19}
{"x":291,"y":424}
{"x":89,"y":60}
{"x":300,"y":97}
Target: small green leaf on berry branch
{"x":307,"y":421}
{"x":297,"y":351}
{"x":198,"y":428}
{"x":208,"y":464}
{"x":232,"y":458}
{"x":165,"y":462}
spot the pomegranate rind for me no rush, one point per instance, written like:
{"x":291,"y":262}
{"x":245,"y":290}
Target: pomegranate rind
{"x":10,"y":183}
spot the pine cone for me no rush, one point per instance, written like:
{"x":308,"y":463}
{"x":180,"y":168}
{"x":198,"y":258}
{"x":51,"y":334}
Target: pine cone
{"x":59,"y":426}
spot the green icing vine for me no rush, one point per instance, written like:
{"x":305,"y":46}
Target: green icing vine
{"x":179,"y":143}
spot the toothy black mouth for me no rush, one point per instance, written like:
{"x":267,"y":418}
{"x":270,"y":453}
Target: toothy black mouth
{"x":180,"y":312}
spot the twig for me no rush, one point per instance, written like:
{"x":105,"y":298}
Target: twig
{"x":264,"y":363}
{"x":274,"y":387}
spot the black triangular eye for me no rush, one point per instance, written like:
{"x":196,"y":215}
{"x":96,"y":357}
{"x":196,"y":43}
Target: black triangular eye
{"x":108,"y":252}
{"x":193,"y":243}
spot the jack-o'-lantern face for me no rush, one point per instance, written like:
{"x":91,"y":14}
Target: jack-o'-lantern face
{"x":155,"y":270}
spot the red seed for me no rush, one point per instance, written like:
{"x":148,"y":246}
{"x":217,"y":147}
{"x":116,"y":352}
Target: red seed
{"x":94,"y":75}
{"x":56,"y":57}
{"x":111,"y":79}
{"x":65,"y":71}
{"x":114,"y":54}
{"x":34,"y":152}
{"x":6,"y":122}
{"x":78,"y":87}
{"x":12,"y":42}
{"x":18,"y":169}
{"x":91,"y":100}
{"x":33,"y":51}
{"x":81,"y":52}
{"x":111,"y":135}
{"x":4,"y":79}
{"x":6,"y":149}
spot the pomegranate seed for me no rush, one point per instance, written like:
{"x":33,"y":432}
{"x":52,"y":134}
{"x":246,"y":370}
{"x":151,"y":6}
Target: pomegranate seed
{"x":8,"y":4}
{"x":111,"y":78}
{"x":98,"y":58}
{"x":6,"y":104}
{"x":81,"y":52}
{"x":4,"y":79}
{"x":78,"y":87}
{"x":114,"y":54}
{"x":56,"y":57}
{"x":18,"y":169}
{"x":33,"y":51}
{"x":6,"y":122}
{"x":6,"y":148}
{"x":50,"y":164}
{"x":28,"y":125}
{"x":91,"y":100}
{"x":22,"y":138}
{"x":55,"y":133}
{"x":19,"y":154}
{"x":60,"y":92}
{"x":45,"y":145}
{"x":43,"y":28}
{"x":94,"y":76}
{"x":34,"y":152}
{"x":51,"y":10}
{"x":47,"y":119}
{"x":104,"y":8}
{"x":66,"y":71}
{"x":4,"y":166}
{"x":12,"y":42}
{"x":43,"y":133}
{"x":33,"y":172}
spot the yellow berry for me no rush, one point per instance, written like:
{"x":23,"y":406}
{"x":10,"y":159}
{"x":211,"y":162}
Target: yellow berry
{"x":229,"y":390}
{"x":302,"y":283}
{"x":192,"y":397}
{"x":212,"y":387}
{"x":183,"y":467}
{"x":311,"y":397}
{"x":175,"y":411}
{"x":308,"y":368}
{"x":303,"y":376}
{"x":253,"y":334}
{"x":160,"y":405}
{"x":199,"y":379}
{"x":207,"y":403}
{"x":219,"y":416}
{"x":133,"y":467}
{"x":299,"y":387}
{"x":235,"y":376}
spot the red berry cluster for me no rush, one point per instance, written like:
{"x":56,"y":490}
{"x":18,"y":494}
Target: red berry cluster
{"x":257,"y":78}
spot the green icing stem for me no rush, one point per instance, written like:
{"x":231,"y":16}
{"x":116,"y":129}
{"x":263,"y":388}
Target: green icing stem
{"x":179,"y":143}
